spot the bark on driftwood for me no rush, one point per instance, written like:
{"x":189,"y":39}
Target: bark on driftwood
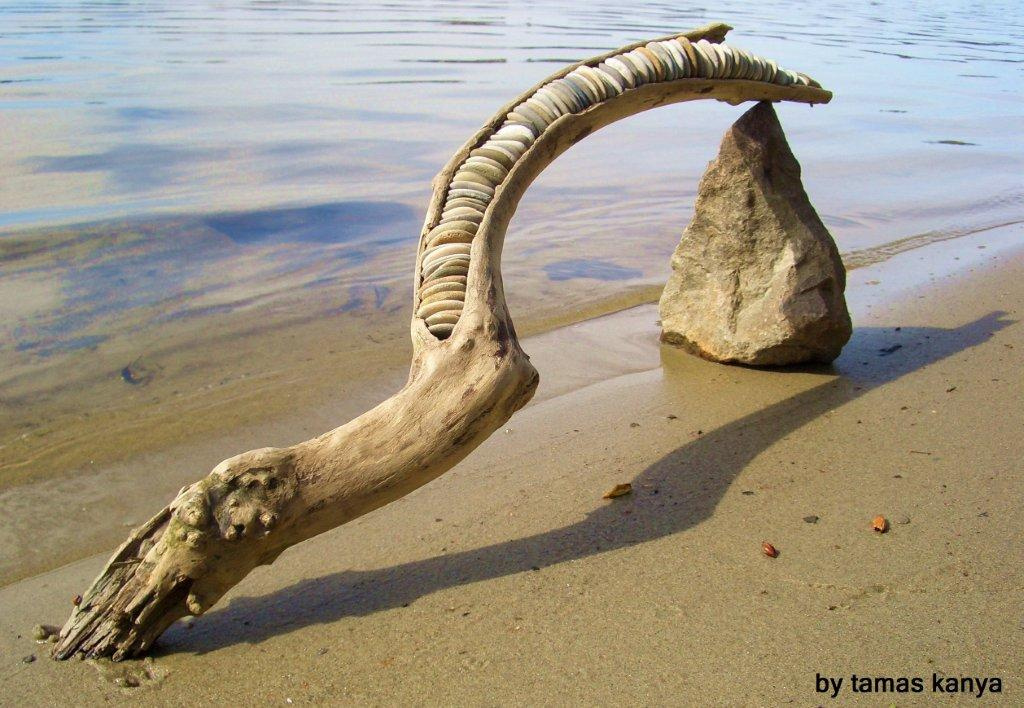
{"x":468,"y":374}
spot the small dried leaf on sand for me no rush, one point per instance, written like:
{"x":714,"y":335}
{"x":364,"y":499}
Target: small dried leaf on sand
{"x":619,"y":490}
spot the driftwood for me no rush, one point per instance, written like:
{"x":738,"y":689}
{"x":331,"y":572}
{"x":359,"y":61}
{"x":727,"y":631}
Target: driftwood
{"x":467,"y":379}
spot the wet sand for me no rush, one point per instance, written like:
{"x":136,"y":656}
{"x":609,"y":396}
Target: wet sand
{"x":105,"y":451}
{"x":95,"y":374}
{"x":510,"y":580}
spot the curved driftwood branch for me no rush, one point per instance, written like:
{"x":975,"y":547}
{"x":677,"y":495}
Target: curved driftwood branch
{"x":468,"y":374}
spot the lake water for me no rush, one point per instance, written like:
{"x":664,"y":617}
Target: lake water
{"x":197,"y":196}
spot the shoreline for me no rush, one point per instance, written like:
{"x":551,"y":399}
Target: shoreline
{"x":510,"y":578}
{"x":106,"y":499}
{"x":155,"y":389}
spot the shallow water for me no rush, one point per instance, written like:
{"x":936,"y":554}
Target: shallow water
{"x":253,"y":167}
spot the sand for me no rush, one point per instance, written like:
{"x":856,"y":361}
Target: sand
{"x":510,"y":580}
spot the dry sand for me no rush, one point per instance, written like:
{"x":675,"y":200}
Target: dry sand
{"x":511,"y":581}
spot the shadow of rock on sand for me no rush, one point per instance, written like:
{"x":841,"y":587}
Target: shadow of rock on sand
{"x":691,"y":481}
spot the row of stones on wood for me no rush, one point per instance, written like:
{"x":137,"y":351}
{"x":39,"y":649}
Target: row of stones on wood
{"x":445,"y":263}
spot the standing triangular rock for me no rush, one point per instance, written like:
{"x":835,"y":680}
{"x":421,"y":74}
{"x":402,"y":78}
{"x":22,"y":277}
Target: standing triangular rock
{"x":756,"y":278}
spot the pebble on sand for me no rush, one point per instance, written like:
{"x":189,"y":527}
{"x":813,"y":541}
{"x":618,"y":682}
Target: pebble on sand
{"x":42,"y":632}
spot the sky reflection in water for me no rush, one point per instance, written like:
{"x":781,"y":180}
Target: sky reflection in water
{"x":297,"y":142}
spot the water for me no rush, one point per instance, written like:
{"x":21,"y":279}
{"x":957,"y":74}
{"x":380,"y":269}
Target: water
{"x":126,"y":109}
{"x":187,"y":182}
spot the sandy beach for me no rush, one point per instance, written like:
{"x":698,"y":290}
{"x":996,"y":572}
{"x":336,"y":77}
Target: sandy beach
{"x":510,"y":580}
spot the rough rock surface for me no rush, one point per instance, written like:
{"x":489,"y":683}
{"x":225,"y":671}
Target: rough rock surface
{"x":756,"y":278}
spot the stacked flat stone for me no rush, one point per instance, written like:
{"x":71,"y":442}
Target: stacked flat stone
{"x":444,"y":267}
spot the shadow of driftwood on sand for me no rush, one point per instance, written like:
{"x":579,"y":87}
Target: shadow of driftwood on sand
{"x":691,"y":481}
